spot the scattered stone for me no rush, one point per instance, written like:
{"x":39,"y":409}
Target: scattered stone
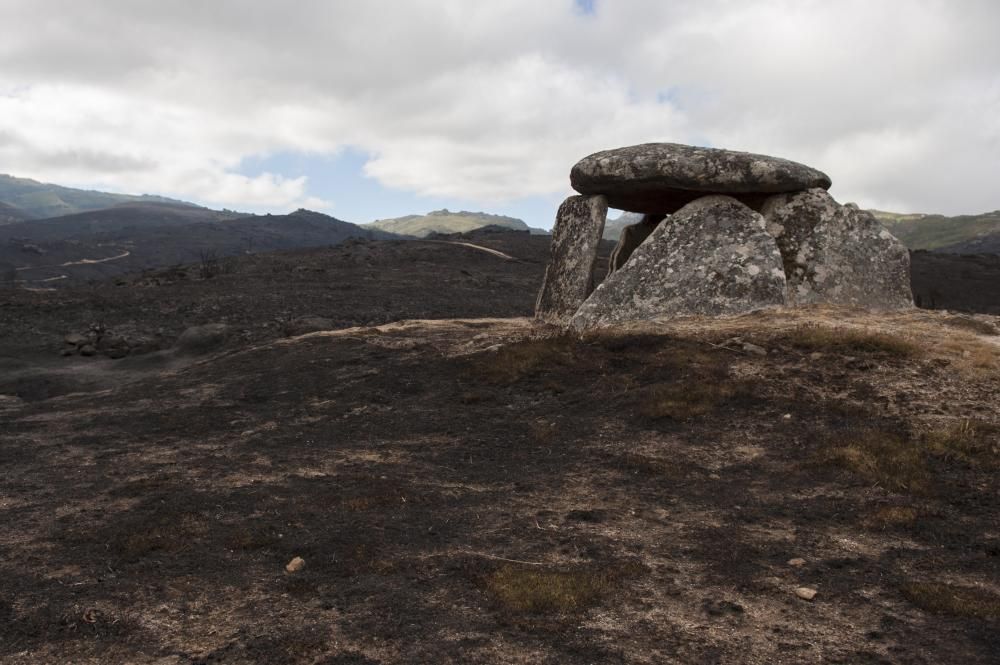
{"x":87,"y":350}
{"x":714,"y":257}
{"x":805,"y":593}
{"x":661,"y":178}
{"x":569,"y":277}
{"x":754,"y":349}
{"x":798,"y":562}
{"x":201,"y":339}
{"x":787,"y":416}
{"x":295,"y":565}
{"x":76,"y":339}
{"x":837,"y":254}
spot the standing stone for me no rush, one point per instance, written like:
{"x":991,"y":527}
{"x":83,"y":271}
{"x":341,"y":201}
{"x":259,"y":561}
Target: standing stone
{"x":660,"y":178}
{"x":837,"y":254}
{"x":712,"y":257}
{"x":573,"y":252}
{"x":632,"y":236}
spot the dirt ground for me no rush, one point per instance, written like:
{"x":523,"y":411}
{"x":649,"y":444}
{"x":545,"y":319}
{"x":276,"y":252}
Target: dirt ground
{"x":485,"y":490}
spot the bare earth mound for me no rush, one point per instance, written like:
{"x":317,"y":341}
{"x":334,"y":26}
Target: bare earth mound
{"x":489,"y":491}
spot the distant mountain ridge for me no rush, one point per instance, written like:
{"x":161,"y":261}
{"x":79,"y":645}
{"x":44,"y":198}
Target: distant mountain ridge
{"x":139,"y":236}
{"x":961,"y":234}
{"x":39,"y":200}
{"x":447,"y":222}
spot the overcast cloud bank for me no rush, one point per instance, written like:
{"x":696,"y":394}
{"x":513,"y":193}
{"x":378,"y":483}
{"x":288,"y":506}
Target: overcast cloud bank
{"x":899,"y":102}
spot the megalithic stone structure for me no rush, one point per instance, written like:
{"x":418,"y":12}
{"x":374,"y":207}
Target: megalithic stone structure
{"x":569,"y":277}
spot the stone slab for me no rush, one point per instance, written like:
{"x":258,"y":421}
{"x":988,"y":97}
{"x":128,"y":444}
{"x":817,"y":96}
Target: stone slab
{"x":572,"y":254}
{"x":713,"y":257}
{"x":661,"y":178}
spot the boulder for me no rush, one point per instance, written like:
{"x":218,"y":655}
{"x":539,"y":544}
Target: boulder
{"x":569,"y":277}
{"x":713,"y":257}
{"x":76,"y":339}
{"x":837,"y":254}
{"x":631,"y":237}
{"x":201,"y":339}
{"x":660,"y":178}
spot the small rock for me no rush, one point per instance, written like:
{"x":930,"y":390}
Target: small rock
{"x":787,"y":416}
{"x":815,"y":355}
{"x":298,"y":563}
{"x":805,"y":593}
{"x":67,"y":352}
{"x":87,"y":350}
{"x":797,"y":562}
{"x":754,"y":349}
{"x":75,"y":339}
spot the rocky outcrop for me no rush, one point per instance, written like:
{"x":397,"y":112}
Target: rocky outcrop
{"x":745,"y":231}
{"x":660,"y":178}
{"x":202,"y":339}
{"x":573,"y":252}
{"x":713,"y":257}
{"x":837,"y":254}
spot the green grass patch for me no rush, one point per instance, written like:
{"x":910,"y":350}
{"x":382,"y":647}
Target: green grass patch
{"x":953,"y":600}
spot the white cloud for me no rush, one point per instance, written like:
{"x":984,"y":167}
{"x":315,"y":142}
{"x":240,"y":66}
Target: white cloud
{"x":898,"y":101}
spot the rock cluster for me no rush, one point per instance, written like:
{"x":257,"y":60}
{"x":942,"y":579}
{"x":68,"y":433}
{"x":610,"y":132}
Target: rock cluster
{"x":99,"y":340}
{"x":741,"y":232}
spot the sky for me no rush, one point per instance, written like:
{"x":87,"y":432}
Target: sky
{"x":367,"y":109}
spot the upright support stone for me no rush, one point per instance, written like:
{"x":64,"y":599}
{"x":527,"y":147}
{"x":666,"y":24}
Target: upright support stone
{"x":837,"y":254}
{"x":573,"y":252}
{"x":712,"y":257}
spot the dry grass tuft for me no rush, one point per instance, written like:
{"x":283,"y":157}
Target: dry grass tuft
{"x":959,"y":601}
{"x":543,"y":592}
{"x":884,"y":458}
{"x":535,"y":591}
{"x":174,"y":533}
{"x":972,"y":442}
{"x":519,"y":360}
{"x":972,"y":325}
{"x":888,"y":517}
{"x":849,"y":342}
{"x":686,"y":400}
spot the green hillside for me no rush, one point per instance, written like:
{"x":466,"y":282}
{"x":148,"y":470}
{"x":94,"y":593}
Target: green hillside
{"x":918,"y":231}
{"x":444,"y":221}
{"x":40,"y":200}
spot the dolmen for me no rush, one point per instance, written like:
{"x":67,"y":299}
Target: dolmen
{"x":739,"y":232}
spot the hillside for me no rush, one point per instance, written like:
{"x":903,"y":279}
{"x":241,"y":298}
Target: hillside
{"x":960,"y":234}
{"x":478,"y":489}
{"x":41,"y":200}
{"x":445,"y":222}
{"x":10,"y":214}
{"x":613,"y":226}
{"x":140,"y":236}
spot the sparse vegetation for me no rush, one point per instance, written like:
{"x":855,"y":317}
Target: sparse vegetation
{"x":683,"y":401}
{"x":516,"y":361}
{"x":971,"y":442}
{"x":888,"y":517}
{"x":972,"y":325}
{"x":953,"y":600}
{"x":535,"y":591}
{"x":881,"y":457}
{"x":849,"y":342}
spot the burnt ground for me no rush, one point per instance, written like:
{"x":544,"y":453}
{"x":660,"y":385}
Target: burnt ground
{"x":485,"y":490}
